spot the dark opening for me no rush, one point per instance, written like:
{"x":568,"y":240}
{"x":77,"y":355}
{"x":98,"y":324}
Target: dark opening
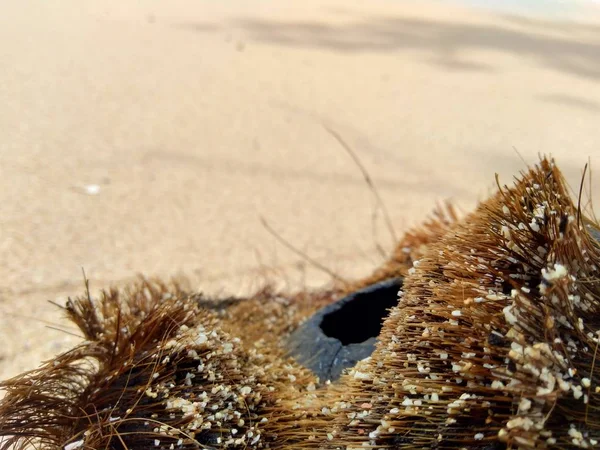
{"x":361,"y":316}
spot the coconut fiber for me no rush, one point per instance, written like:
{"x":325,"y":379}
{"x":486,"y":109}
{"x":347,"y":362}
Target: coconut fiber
{"x":491,"y":343}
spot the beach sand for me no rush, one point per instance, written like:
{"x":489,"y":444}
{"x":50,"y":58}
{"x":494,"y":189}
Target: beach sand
{"x":152,"y":137}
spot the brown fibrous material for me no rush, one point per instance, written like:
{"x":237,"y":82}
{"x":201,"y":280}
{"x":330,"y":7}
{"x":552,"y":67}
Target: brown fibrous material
{"x":493,"y":344}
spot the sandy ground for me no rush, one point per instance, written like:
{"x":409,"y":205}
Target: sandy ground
{"x":150,"y":137}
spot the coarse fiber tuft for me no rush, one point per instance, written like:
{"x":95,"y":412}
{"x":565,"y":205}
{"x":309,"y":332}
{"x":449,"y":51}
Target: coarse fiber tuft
{"x":493,"y":344}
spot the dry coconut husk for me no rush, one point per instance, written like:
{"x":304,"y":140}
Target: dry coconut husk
{"x":493,"y":345}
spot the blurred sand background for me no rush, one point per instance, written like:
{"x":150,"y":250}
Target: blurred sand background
{"x":151,"y":136}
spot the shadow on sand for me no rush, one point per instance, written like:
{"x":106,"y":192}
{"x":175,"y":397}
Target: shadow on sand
{"x":561,"y":46}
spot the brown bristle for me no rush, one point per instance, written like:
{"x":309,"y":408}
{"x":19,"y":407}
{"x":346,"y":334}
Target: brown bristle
{"x":494,"y":339}
{"x":493,"y":345}
{"x":156,"y":369}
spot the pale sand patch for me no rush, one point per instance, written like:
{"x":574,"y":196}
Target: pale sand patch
{"x":150,"y":137}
